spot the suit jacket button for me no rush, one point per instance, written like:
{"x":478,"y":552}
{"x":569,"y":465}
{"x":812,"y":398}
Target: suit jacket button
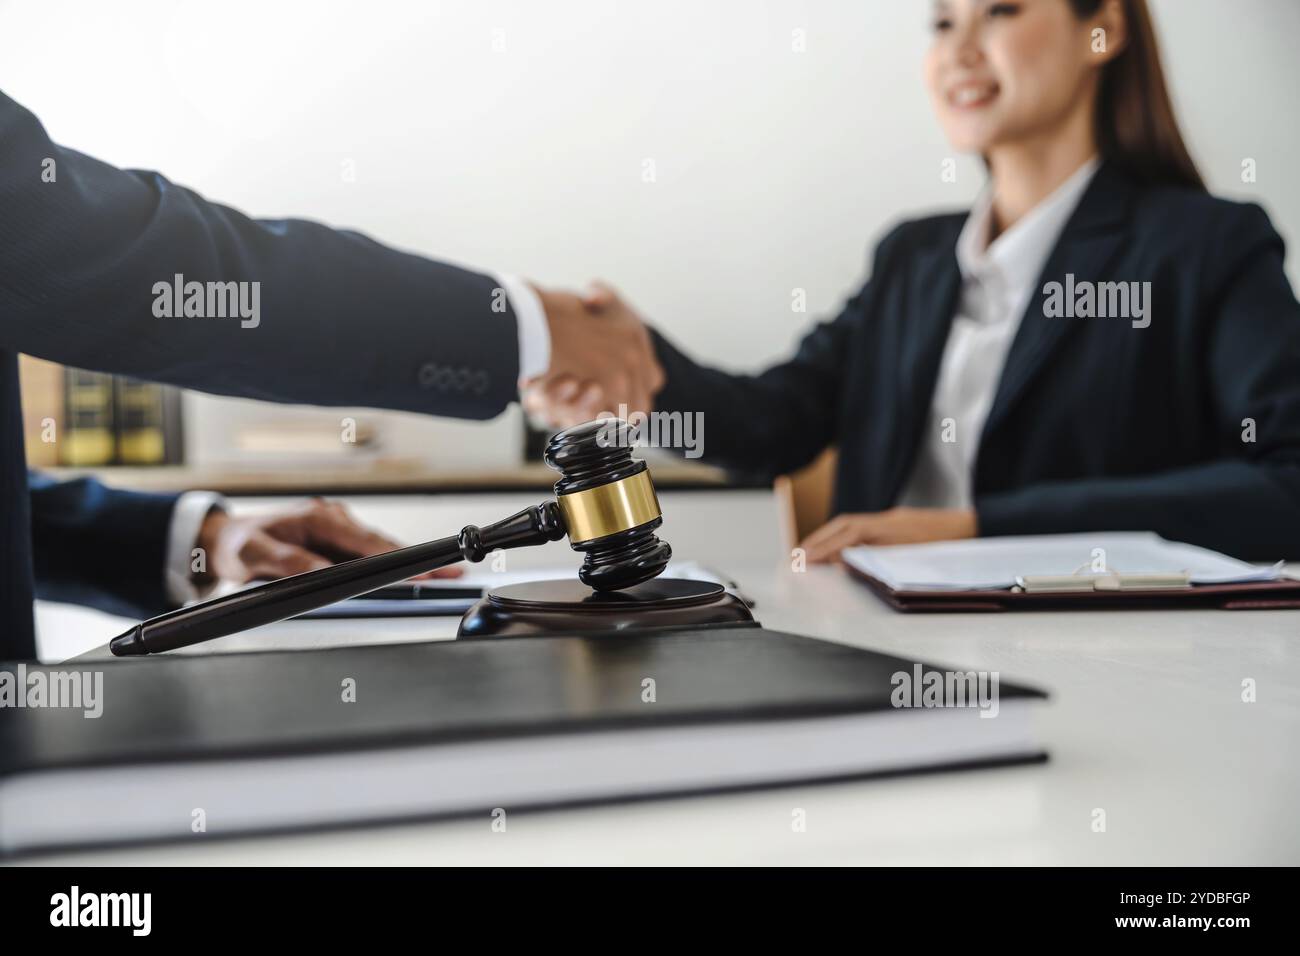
{"x":462,"y":378}
{"x":428,"y":375}
{"x":480,"y":383}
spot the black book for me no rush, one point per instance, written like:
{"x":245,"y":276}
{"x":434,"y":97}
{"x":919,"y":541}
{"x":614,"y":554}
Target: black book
{"x":164,"y":747}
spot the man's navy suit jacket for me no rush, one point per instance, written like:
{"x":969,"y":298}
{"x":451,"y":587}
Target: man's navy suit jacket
{"x":100,"y":546}
{"x":1189,"y":427}
{"x":343,"y":321}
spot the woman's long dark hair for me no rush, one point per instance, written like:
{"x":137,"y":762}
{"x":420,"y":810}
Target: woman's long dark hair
{"x":1136,"y":128}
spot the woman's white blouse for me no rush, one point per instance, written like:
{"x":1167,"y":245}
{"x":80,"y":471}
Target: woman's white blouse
{"x":997,"y":286}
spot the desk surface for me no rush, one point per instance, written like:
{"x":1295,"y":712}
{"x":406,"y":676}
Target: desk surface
{"x":1146,"y":723}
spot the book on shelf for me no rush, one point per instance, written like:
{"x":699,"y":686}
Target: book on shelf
{"x":80,"y":418}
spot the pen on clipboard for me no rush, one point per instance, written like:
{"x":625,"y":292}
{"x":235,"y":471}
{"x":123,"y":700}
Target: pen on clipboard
{"x":1106,"y":581}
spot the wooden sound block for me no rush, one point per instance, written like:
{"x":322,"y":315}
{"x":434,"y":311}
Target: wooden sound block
{"x":570,"y":607}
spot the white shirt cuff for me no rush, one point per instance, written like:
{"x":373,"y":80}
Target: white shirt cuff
{"x":187,"y":518}
{"x":530,"y":320}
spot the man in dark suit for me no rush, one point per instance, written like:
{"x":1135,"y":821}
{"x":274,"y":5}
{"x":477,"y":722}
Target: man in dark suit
{"x":126,"y":272}
{"x":135,"y":554}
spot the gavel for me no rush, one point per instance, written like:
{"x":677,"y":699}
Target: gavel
{"x":604,"y":502}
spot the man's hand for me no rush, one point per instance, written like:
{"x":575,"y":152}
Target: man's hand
{"x":310,"y":536}
{"x":895,"y":526}
{"x":601,"y":357}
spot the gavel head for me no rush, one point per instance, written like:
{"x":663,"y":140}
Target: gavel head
{"x":608,"y":504}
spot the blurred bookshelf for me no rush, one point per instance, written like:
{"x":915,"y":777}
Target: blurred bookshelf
{"x":404,"y":479}
{"x":81,"y":419}
{"x":131,"y":434}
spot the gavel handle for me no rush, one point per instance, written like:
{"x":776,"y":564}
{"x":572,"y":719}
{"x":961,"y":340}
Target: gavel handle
{"x":291,"y":596}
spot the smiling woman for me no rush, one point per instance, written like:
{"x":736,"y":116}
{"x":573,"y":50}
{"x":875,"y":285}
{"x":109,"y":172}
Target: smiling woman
{"x":966,"y":397}
{"x":1057,"y":80}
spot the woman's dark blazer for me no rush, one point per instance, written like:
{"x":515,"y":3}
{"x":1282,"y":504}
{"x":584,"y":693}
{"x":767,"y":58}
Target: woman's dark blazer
{"x":1189,"y":427}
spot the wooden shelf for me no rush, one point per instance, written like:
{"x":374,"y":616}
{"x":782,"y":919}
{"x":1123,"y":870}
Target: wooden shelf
{"x":379,"y":478}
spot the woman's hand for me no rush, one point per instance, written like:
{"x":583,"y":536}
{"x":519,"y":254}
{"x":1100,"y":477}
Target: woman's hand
{"x":895,"y":526}
{"x":313,"y":535}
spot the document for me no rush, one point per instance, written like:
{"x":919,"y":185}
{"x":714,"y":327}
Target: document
{"x":997,"y":563}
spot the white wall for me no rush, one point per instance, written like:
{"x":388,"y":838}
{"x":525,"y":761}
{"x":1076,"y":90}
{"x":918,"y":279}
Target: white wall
{"x":775,"y":169}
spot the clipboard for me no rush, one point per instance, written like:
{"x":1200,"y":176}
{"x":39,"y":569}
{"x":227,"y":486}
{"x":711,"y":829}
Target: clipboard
{"x":1277,"y":594}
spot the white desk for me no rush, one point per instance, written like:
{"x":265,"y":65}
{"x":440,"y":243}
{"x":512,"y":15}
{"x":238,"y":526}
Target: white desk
{"x":1146,"y":723}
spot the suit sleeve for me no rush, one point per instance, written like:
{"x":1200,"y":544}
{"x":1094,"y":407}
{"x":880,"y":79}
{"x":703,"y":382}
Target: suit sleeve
{"x":87,"y":251}
{"x":99,"y":546}
{"x":1246,"y":502}
{"x":779,"y":420}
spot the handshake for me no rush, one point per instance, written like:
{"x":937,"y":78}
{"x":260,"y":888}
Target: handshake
{"x":601,"y":358}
